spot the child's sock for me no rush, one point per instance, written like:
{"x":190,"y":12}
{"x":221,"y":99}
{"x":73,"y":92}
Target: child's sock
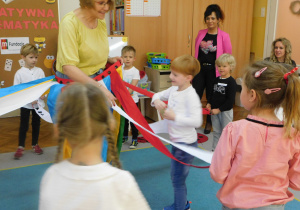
{"x":125,"y":138}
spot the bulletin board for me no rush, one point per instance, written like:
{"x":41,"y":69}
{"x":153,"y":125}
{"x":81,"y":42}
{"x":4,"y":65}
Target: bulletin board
{"x":21,"y":20}
{"x":116,"y":43}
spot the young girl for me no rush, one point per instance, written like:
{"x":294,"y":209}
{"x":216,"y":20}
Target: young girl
{"x":85,"y":181}
{"x":258,"y":158}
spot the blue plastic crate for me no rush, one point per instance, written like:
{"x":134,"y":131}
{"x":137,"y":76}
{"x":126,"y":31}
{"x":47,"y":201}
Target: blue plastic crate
{"x":161,"y":60}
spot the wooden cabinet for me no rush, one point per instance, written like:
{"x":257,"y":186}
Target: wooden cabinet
{"x":174,"y":32}
{"x":159,"y":81}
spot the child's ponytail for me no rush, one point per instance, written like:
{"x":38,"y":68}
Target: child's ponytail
{"x":291,"y":103}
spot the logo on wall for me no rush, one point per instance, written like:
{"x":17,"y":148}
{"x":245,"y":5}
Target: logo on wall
{"x":295,"y":7}
{"x":4,"y":44}
{"x":12,"y":45}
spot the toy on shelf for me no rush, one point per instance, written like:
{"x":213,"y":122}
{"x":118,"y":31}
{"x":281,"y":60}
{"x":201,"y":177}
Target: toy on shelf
{"x":143,"y":82}
{"x":159,"y":61}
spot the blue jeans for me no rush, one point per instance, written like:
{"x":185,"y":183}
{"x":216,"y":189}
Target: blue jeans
{"x":179,"y":173}
{"x":270,"y":207}
{"x":63,"y":76}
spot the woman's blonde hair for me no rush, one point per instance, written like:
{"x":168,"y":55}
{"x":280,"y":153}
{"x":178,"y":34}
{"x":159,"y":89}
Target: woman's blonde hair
{"x":83,"y":115}
{"x":288,"y":96}
{"x":288,"y":50}
{"x":91,"y":4}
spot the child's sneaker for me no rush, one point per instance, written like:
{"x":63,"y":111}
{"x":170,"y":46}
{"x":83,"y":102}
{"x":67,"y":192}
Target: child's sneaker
{"x":19,"y":153}
{"x":133,"y":144}
{"x":172,"y":207}
{"x":187,"y":206}
{"x":37,"y":150}
{"x":125,"y":138}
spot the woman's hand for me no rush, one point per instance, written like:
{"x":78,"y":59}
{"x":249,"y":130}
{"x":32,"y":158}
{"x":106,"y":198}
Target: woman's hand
{"x":115,"y":59}
{"x":110,"y":97}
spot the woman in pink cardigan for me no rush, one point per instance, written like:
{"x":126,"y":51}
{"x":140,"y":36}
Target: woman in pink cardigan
{"x":210,"y":44}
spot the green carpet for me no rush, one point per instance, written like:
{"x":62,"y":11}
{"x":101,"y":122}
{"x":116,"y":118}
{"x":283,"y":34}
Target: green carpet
{"x":19,"y":188}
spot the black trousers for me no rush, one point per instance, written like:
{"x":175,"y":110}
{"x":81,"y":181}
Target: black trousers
{"x":134,"y":130}
{"x":24,"y":125}
{"x":204,"y":80}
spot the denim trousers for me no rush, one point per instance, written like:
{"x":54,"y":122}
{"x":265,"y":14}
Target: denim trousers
{"x":270,"y":207}
{"x":179,"y":173}
{"x":63,"y":76}
{"x":219,"y":122}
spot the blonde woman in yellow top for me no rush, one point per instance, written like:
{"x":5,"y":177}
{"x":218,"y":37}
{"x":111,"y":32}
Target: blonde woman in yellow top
{"x":83,"y":45}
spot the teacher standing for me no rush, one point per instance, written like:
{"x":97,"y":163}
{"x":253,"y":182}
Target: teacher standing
{"x":83,"y":45}
{"x":209,"y":45}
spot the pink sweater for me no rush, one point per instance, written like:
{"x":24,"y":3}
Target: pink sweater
{"x":255,"y":164}
{"x":223,"y":43}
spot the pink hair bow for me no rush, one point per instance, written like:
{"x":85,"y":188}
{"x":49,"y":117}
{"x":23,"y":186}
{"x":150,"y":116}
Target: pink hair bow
{"x":289,"y":73}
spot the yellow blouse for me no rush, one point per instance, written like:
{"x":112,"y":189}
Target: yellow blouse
{"x":80,"y":46}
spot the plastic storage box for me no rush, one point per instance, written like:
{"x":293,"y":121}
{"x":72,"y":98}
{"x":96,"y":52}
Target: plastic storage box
{"x":144,"y":85}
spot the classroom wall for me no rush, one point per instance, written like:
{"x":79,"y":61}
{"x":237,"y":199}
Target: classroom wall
{"x":288,"y":25}
{"x":258,"y":28}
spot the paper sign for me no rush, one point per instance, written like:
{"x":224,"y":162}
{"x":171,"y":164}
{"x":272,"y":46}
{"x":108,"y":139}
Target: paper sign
{"x":12,"y":45}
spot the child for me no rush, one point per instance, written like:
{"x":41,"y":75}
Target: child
{"x":222,"y":99}
{"x":183,"y":115}
{"x":28,"y":73}
{"x":130,"y":75}
{"x":258,"y":158}
{"x":84,"y":181}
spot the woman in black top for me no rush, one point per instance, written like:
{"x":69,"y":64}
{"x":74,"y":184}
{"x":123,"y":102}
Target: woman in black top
{"x":209,"y":45}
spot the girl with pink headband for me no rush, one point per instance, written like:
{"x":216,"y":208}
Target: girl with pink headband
{"x":258,"y":158}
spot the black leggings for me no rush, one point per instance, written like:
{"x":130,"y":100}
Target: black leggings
{"x":24,"y":125}
{"x":134,"y":130}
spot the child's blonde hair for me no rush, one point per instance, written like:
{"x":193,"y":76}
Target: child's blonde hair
{"x":288,"y":96}
{"x":83,"y":115}
{"x":186,"y":64}
{"x":226,"y":58}
{"x":128,"y":48}
{"x":26,"y":49}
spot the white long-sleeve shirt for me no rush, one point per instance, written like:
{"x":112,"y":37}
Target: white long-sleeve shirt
{"x":188,"y":110}
{"x":24,"y":75}
{"x":66,"y":186}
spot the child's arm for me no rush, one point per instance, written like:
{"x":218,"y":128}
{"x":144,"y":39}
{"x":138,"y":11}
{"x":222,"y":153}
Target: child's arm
{"x":223,"y":156}
{"x":192,"y":115}
{"x":158,"y":98}
{"x":294,"y":172}
{"x":134,"y":82}
{"x":17,"y":79}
